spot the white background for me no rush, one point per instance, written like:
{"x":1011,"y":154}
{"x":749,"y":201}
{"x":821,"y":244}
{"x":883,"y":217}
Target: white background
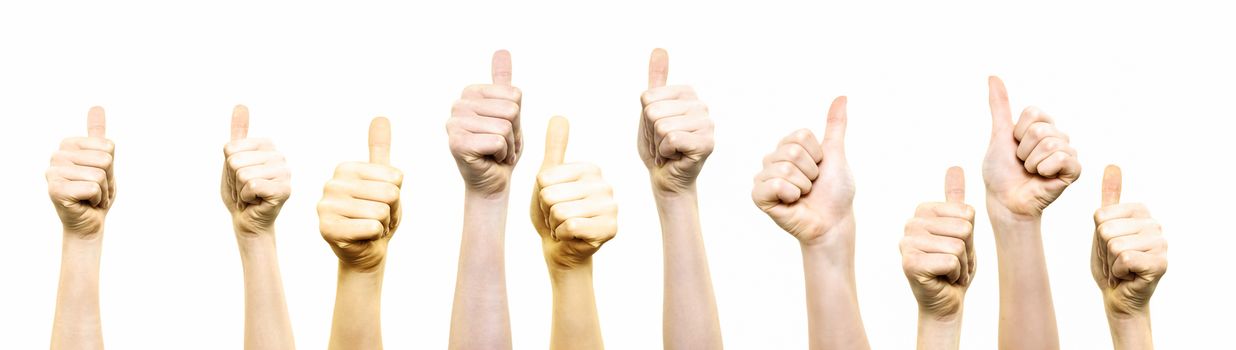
{"x":1144,"y":87}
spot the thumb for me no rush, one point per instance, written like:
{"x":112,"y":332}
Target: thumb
{"x":955,"y":185}
{"x":556,"y":141}
{"x":380,"y":141}
{"x":998,"y":99}
{"x":501,"y":68}
{"x":96,"y":123}
{"x":1111,"y":185}
{"x":658,"y":68}
{"x":834,"y":133}
{"x":240,"y":122}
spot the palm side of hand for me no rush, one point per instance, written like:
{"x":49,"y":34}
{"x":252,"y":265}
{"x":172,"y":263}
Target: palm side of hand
{"x":828,"y":205}
{"x":1013,"y":187}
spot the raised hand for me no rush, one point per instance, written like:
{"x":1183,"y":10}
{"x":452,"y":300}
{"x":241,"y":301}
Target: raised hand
{"x":484,"y":130}
{"x":1130,"y":254}
{"x":675,"y":133}
{"x":806,"y":186}
{"x":256,"y":180}
{"x":359,"y":210}
{"x":80,"y":181}
{"x":1028,"y":164}
{"x":572,"y":206}
{"x":937,"y":252}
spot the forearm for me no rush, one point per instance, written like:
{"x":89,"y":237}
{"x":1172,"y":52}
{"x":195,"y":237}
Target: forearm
{"x":1027,"y":317}
{"x":938,"y":332}
{"x":267,"y":325}
{"x":690,"y":310}
{"x":480,"y":318}
{"x":575,"y":325}
{"x":77,"y":323}
{"x":1130,"y":331}
{"x":358,"y":303}
{"x":833,"y":317}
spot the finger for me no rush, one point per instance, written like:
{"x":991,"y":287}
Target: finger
{"x":772,"y":192}
{"x":658,"y":68}
{"x":96,"y":123}
{"x":90,"y":158}
{"x":501,"y":68}
{"x":948,"y":210}
{"x":998,"y":100}
{"x":665,"y":93}
{"x":568,"y":172}
{"x":1060,"y":165}
{"x":955,"y":185}
{"x":351,"y":230}
{"x":88,"y":143}
{"x":357,"y":209}
{"x":949,"y":227}
{"x":1030,"y":117}
{"x":789,"y":172}
{"x":595,"y":231}
{"x":834,"y":133}
{"x":556,"y":137}
{"x":369,"y":171}
{"x":240,"y":122}
{"x":247,"y":144}
{"x":250,"y":158}
{"x":806,"y":139}
{"x":678,"y":144}
{"x":489,"y":107}
{"x":369,"y":190}
{"x":571,"y":191}
{"x":1145,"y":242}
{"x":1045,"y":149}
{"x":265,"y":190}
{"x":1120,"y":211}
{"x":1124,"y":227}
{"x":380,"y":141}
{"x":585,"y":208}
{"x":80,"y":191}
{"x":797,"y":154}
{"x":939,"y":265}
{"x":1133,"y":264}
{"x":1111,"y":185}
{"x":1037,"y":134}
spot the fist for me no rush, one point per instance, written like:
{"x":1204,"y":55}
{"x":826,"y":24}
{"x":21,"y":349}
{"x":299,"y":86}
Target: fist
{"x":675,"y":133}
{"x":573,"y":208}
{"x":80,"y":181}
{"x":806,"y":186}
{"x":937,"y":252}
{"x":1130,"y":254}
{"x":484,"y":130}
{"x":1028,"y":164}
{"x":360,"y":210}
{"x":256,"y":181}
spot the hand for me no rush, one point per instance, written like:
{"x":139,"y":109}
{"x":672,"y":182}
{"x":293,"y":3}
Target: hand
{"x":937,"y":252}
{"x":572,"y":206}
{"x":1029,"y":164}
{"x":256,"y":180}
{"x":806,"y":185}
{"x":80,"y":181}
{"x":484,"y":130}
{"x":360,"y":210}
{"x":1129,"y":255}
{"x":675,"y":133}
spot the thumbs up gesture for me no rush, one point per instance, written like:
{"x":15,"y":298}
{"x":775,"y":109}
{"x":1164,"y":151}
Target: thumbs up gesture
{"x":80,"y":181}
{"x":675,"y":133}
{"x":256,"y":181}
{"x":937,"y":252}
{"x":484,"y":130}
{"x":359,"y":210}
{"x":806,"y":186}
{"x":1130,"y":254}
{"x":573,"y":208}
{"x":1028,"y":164}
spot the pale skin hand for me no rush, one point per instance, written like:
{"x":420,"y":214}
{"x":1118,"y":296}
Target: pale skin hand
{"x":82,"y":188}
{"x":573,"y":210}
{"x":937,"y":255}
{"x":256,"y":182}
{"x":1028,"y":165}
{"x":486,"y":141}
{"x":1128,"y":259}
{"x":358,"y":214}
{"x":675,"y":138}
{"x":806,"y":188}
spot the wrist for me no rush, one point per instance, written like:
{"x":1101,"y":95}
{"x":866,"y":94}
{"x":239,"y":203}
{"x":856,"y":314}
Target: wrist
{"x":1130,"y":330}
{"x":998,"y":213}
{"x":487,"y":195}
{"x":837,"y":239}
{"x":664,"y":194}
{"x":939,"y":332}
{"x":85,"y":237}
{"x":566,"y":276}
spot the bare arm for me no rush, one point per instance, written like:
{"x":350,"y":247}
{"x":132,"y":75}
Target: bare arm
{"x":77,"y":324}
{"x":267,"y":325}
{"x":690,"y":319}
{"x":357,"y":323}
{"x":833,"y":317}
{"x":480,"y":318}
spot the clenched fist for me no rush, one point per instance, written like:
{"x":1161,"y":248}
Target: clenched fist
{"x":1130,"y":254}
{"x":675,"y":133}
{"x":360,"y":210}
{"x":572,"y":206}
{"x":484,"y":130}
{"x":80,"y":181}
{"x":1028,"y":164}
{"x":806,"y":185}
{"x":937,"y":252}
{"x":256,"y":180}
